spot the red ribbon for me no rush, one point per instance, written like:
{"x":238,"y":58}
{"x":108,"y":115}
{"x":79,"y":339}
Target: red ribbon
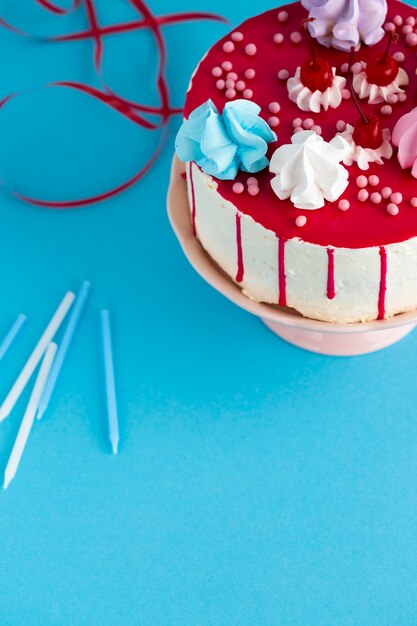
{"x":134,"y":111}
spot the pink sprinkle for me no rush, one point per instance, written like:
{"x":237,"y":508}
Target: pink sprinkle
{"x":344,"y":68}
{"x":274,"y":107}
{"x":248,"y":94}
{"x":230,"y":94}
{"x":392,"y":98}
{"x":220,"y":84}
{"x":397,"y":197}
{"x":250,"y":74}
{"x":227,"y":66}
{"x":296,"y":37}
{"x":238,"y":188}
{"x":399,"y":56}
{"x":346,"y":94}
{"x":344,"y":205}
{"x":308,"y":123}
{"x":253,"y":190}
{"x":252,"y":180}
{"x":392,"y":209}
{"x":398,"y":20}
{"x":402,"y":97}
{"x":411,"y":39}
{"x":407,"y":29}
{"x":357,"y":67}
{"x":217,"y":72}
{"x":236,"y":36}
{"x":376,"y":197}
{"x":341,"y":126}
{"x":232,"y":75}
{"x":363,"y":195}
{"x":228,"y":46}
{"x":278,"y":38}
{"x":282,"y":16}
{"x":361,"y":181}
{"x":411,"y":20}
{"x":389,"y":27}
{"x":273,"y":121}
{"x":240,"y":85}
{"x":230,"y":84}
{"x":301,"y":221}
{"x":386,"y":192}
{"x":317,"y":129}
{"x":386,"y":109}
{"x":413,"y":202}
{"x":251,"y":49}
{"x":373,"y":180}
{"x":297,"y":122}
{"x":283,"y":74}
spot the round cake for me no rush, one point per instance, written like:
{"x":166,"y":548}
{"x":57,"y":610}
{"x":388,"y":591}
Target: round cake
{"x":300,"y":144}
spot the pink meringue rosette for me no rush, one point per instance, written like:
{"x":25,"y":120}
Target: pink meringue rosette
{"x":405,"y":138}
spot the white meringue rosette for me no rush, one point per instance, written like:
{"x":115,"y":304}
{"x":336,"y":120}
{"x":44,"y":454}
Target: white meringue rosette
{"x":378,"y":93}
{"x":363,"y":156}
{"x":308,"y":170}
{"x":308,"y":100}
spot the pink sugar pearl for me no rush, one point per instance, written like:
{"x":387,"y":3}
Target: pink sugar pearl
{"x":228,"y":47}
{"x":273,"y":121}
{"x":386,"y":109}
{"x":252,"y":180}
{"x":389,"y":27}
{"x":413,"y":202}
{"x":238,"y":188}
{"x":301,"y":221}
{"x":386,"y":192}
{"x":236,"y":36}
{"x":251,"y":49}
{"x":392,"y":98}
{"x":296,"y":37}
{"x":298,"y":129}
{"x":297,"y":122}
{"x":253,"y":190}
{"x":240,"y":85}
{"x":282,"y":16}
{"x":230,"y":94}
{"x":344,"y":68}
{"x":341,"y":126}
{"x":376,"y":197}
{"x":398,"y":20}
{"x":411,"y":39}
{"x":217,"y":72}
{"x":346,"y":94}
{"x":221,"y":84}
{"x":411,"y":20}
{"x":363,"y":195}
{"x":344,"y":204}
{"x":317,"y":129}
{"x":399,"y":56}
{"x":407,"y":29}
{"x":308,"y":123}
{"x":230,"y":84}
{"x":397,"y":197}
{"x":402,"y":97}
{"x":373,"y":180}
{"x":250,"y":74}
{"x":361,"y":181}
{"x":248,"y":94}
{"x":392,"y":209}
{"x":283,"y":74}
{"x":227,"y":66}
{"x":274,"y":107}
{"x":278,"y":38}
{"x":357,"y":67}
{"x":232,"y":75}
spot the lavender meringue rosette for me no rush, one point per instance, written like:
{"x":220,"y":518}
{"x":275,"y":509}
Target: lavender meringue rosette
{"x":342,"y":24}
{"x":223,"y":144}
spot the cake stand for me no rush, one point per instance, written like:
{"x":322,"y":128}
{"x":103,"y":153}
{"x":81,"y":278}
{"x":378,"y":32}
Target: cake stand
{"x":313,"y":335}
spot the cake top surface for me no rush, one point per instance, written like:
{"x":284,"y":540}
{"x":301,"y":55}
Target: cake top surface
{"x":259,"y":57}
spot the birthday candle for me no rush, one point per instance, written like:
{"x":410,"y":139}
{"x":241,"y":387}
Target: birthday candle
{"x":29,"y":416}
{"x":63,"y":348}
{"x":36,"y":355}
{"x":110,"y":384}
{"x":11,"y":335}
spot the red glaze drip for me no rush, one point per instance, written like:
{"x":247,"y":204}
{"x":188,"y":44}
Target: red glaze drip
{"x":331,"y":291}
{"x":282,"y":279}
{"x":193,"y":202}
{"x":240,"y":268}
{"x":383,"y":283}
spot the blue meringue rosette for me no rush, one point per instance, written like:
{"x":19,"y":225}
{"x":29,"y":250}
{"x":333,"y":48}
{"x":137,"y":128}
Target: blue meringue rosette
{"x":223,"y":144}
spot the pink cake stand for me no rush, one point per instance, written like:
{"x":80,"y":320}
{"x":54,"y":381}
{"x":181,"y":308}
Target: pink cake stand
{"x":313,"y":335}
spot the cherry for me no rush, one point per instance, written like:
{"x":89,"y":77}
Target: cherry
{"x":315,"y":73}
{"x":382,"y":69}
{"x":368,"y":132}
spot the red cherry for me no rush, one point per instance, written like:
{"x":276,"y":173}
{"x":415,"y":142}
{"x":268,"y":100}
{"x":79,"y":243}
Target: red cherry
{"x":316,"y":74}
{"x":368,"y":133}
{"x":382,"y":71}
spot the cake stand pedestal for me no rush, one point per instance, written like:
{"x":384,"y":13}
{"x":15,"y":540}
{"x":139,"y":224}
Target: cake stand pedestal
{"x":313,"y":335}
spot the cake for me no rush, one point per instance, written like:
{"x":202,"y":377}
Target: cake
{"x":300,"y":147}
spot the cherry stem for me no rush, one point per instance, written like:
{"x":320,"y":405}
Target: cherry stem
{"x":393,"y":38}
{"x":352,"y":91}
{"x":305,"y":24}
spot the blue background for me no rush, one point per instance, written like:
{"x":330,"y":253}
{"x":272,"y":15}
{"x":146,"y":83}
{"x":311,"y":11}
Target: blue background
{"x":256,"y":484}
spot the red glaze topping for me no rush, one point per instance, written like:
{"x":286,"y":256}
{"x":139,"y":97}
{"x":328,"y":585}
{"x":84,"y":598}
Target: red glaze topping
{"x":365,"y":223}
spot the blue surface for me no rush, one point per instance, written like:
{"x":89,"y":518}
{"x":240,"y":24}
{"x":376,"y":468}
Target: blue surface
{"x":256,"y":484}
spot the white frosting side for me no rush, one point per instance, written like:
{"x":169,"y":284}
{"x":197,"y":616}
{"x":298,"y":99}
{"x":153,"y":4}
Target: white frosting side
{"x":357,"y":271}
{"x":308,"y":100}
{"x":376,"y":93}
